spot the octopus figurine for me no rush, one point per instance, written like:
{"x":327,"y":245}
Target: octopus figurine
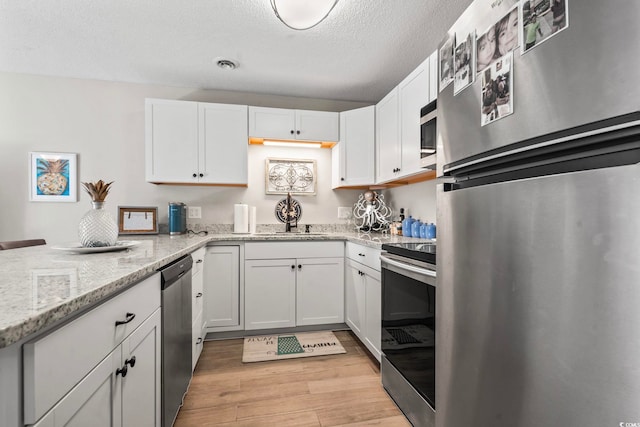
{"x":371,"y":213}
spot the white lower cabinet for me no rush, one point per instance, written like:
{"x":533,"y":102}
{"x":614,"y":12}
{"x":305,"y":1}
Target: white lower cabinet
{"x":270,"y":293}
{"x":123,"y":390}
{"x":102,"y":368}
{"x":363,"y":296}
{"x":222,"y":288}
{"x":293,"y":284}
{"x":319,"y":291}
{"x":197,"y":305}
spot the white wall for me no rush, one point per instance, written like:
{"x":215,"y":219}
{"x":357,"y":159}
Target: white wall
{"x":104,"y":123}
{"x":418,"y":200}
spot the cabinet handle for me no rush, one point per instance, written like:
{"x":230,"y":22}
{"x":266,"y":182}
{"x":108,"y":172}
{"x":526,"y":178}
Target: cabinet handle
{"x":201,"y":175}
{"x":131,"y":362}
{"x":293,"y":267}
{"x":195,"y":176}
{"x":198,"y":261}
{"x":199,"y":341}
{"x":292,"y":132}
{"x":360,"y":254}
{"x":299,"y":266}
{"x":129,"y":318}
{"x":122,"y":371}
{"x":341,"y":179}
{"x":199,"y":294}
{"x":298,"y":132}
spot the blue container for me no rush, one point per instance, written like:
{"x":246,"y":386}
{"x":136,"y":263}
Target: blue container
{"x":431,"y":231}
{"x":177,"y":218}
{"x":415,"y":228}
{"x":406,"y":226}
{"x":423,"y":231}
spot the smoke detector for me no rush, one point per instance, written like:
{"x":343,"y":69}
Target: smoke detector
{"x":226,"y":64}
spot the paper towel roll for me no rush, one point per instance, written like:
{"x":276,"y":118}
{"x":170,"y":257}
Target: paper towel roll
{"x":252,"y":220}
{"x":240,"y":218}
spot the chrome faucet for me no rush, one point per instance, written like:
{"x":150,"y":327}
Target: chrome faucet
{"x":290,"y":211}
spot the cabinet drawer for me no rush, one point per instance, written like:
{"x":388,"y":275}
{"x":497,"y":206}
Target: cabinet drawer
{"x":198,"y":260}
{"x":279,"y":250}
{"x":56,"y":362}
{"x":364,"y":255}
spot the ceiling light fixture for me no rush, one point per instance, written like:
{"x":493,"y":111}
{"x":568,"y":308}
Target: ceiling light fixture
{"x":292,"y":144}
{"x":226,"y":64}
{"x":302,"y":14}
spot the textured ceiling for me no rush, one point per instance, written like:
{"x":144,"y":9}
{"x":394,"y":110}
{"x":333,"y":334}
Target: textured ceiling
{"x":360,"y":52}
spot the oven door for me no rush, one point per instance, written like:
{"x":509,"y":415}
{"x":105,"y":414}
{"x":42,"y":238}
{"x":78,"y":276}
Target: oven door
{"x":408,"y":321}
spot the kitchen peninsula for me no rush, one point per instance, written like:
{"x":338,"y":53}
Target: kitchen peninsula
{"x":45,"y":288}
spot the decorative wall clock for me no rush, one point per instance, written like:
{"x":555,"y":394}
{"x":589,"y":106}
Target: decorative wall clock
{"x":294,"y":213}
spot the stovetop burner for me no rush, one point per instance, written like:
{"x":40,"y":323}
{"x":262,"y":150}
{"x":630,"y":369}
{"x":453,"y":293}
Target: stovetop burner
{"x":419,"y":251}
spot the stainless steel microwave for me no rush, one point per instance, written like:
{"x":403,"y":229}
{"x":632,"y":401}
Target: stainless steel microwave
{"x":428,"y":134}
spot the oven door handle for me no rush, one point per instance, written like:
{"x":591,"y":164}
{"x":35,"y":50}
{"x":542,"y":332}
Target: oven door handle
{"x":408,"y":267}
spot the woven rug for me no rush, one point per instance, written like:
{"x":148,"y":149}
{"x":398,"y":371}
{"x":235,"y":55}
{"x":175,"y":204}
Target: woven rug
{"x":290,"y":346}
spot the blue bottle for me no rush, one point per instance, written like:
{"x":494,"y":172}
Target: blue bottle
{"x":431,"y":231}
{"x":406,"y":226}
{"x":423,"y":230}
{"x":415,"y":228}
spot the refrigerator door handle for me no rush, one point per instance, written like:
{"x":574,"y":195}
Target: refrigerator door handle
{"x":407,"y":267}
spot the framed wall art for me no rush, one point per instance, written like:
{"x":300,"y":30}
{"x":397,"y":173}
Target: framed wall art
{"x":293,"y":176}
{"x":54,"y":177}
{"x":137,"y":220}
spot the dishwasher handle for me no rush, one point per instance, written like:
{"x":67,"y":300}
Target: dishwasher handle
{"x":171,"y":273}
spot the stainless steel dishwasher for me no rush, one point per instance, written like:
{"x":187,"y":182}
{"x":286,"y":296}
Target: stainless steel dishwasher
{"x":176,"y":336}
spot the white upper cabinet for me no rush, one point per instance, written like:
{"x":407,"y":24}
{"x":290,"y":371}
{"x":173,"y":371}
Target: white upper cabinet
{"x":433,"y":76}
{"x":279,"y":123}
{"x":353,"y":159}
{"x":388,"y":137}
{"x":398,"y":123}
{"x":223,"y":145}
{"x":195,"y":143}
{"x":414,"y":94}
{"x":171,"y":141}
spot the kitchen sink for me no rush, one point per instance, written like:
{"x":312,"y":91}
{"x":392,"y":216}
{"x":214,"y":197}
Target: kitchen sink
{"x":290,"y":233}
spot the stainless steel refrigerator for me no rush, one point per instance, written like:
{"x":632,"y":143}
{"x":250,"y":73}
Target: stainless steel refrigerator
{"x":538,"y":303}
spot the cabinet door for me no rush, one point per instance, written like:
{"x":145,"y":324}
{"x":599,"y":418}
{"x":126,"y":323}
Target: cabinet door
{"x":414,"y":94}
{"x":270,"y":293}
{"x":320,"y":291}
{"x":317,"y":125}
{"x":94,"y":401}
{"x":171,"y":141}
{"x":373,"y":302}
{"x":222,"y":286}
{"x":357,"y":146}
{"x":387,"y":137}
{"x":197,"y":340}
{"x":276,"y":123}
{"x":224,"y":143}
{"x":141,"y":386}
{"x":433,"y":76}
{"x":355,"y":298}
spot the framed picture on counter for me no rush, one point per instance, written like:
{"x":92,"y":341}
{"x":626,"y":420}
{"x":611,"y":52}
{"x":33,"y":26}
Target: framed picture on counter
{"x":137,"y":220}
{"x":53,"y":177}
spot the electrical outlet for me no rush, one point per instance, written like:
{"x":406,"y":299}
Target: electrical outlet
{"x":194,"y":211}
{"x":344,"y":212}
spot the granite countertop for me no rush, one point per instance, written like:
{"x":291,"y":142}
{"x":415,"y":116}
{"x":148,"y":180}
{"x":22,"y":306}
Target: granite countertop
{"x":42,"y":285}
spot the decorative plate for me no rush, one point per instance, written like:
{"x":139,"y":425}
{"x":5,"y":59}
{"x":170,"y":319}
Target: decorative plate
{"x":79,"y":249}
{"x":294,"y":214}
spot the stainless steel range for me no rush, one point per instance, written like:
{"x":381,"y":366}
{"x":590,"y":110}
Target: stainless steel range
{"x":408,"y":329}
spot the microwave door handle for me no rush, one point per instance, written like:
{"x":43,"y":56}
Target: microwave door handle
{"x":428,"y":117}
{"x":408,"y":267}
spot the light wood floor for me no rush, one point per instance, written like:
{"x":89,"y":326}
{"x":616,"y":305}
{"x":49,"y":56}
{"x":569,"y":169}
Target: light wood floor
{"x":337,"y":390}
